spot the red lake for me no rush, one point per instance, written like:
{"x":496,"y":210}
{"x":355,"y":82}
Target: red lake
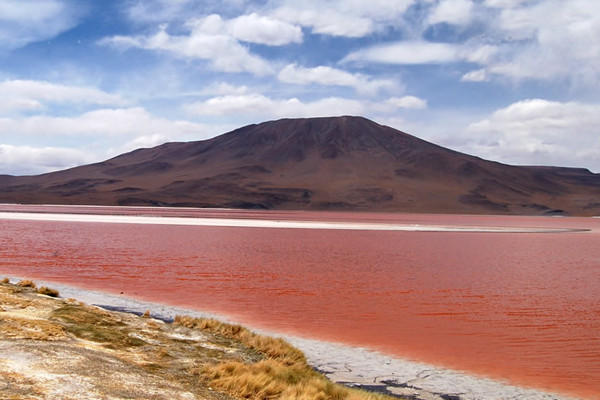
{"x":521,"y":307}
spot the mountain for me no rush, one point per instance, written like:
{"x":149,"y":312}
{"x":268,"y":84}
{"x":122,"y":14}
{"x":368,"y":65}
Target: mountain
{"x":337,"y":163}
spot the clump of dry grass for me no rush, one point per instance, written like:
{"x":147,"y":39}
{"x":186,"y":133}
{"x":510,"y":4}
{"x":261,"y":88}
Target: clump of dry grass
{"x":5,"y":280}
{"x":27,"y":283}
{"x":283,"y":374}
{"x":91,"y":323}
{"x":270,"y":379}
{"x":274,"y":348}
{"x":48,"y":291}
{"x":26,"y":328}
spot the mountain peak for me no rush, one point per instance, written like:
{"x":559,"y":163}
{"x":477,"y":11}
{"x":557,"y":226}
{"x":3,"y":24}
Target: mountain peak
{"x":329,"y":163}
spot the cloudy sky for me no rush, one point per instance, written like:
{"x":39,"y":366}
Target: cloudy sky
{"x":516,"y":81}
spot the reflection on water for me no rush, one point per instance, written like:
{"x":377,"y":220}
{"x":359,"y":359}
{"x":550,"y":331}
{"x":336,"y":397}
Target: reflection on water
{"x":523,"y":307}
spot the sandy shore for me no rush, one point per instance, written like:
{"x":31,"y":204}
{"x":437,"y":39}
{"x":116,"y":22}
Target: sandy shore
{"x":264,"y":223}
{"x":344,"y":364}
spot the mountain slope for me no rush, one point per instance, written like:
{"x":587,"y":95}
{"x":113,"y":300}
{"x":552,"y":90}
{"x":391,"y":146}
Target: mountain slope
{"x":341,"y":163}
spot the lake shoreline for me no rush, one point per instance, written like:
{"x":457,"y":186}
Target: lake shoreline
{"x":352,"y":366}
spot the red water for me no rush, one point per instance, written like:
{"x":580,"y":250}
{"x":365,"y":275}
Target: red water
{"x":521,"y":307}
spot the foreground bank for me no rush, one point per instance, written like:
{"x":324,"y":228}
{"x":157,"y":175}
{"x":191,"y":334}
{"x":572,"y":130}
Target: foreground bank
{"x":64,"y":349}
{"x":357,"y":367}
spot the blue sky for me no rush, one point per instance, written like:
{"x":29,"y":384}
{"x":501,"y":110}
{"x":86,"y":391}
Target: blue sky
{"x":516,"y":81}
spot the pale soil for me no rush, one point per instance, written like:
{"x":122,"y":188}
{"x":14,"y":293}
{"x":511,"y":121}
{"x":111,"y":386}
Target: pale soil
{"x":55,"y":348}
{"x":263,"y":223}
{"x":62,"y":349}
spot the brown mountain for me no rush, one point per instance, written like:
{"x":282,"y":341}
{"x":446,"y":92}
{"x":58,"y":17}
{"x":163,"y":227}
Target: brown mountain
{"x":341,"y":163}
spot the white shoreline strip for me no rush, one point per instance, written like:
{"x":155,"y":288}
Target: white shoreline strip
{"x":263,"y":223}
{"x":343,"y":363}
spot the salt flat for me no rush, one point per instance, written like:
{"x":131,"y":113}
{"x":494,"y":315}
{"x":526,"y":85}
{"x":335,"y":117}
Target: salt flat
{"x":264,"y":223}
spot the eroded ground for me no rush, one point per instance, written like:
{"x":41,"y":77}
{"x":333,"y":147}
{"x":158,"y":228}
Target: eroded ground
{"x":54,"y":348}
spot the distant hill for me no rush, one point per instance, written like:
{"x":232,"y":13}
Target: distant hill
{"x":337,"y":163}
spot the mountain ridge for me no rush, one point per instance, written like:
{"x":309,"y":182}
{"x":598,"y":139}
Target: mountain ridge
{"x":329,"y":163}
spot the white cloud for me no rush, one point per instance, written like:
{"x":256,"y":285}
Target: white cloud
{"x":506,"y":3}
{"x":329,"y":76}
{"x":478,"y":75}
{"x":35,"y":160}
{"x":254,"y":28}
{"x":24,"y":22}
{"x":208,"y":39}
{"x":159,"y":11}
{"x":456,"y":12}
{"x":347,"y":18}
{"x":260,"y":105}
{"x":410,"y":102}
{"x":101,"y":123}
{"x":223,"y":88}
{"x":408,"y":53}
{"x":541,"y":132}
{"x":16,"y":95}
{"x":549,"y":40}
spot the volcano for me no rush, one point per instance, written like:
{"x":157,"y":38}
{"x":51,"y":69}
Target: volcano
{"x":337,"y":163}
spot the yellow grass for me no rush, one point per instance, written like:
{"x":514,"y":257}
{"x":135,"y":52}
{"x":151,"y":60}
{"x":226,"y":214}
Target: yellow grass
{"x":48,"y":292}
{"x":275,"y":348}
{"x":27,"y":283}
{"x":282,"y":374}
{"x":270,"y":379}
{"x":30,"y":328}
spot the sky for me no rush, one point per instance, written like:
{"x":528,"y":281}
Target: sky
{"x":514,"y":81}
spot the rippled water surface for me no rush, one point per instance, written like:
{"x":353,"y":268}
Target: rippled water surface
{"x":524,"y":307}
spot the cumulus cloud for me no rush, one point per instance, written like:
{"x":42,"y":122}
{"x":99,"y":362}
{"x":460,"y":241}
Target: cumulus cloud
{"x":478,"y":75}
{"x":506,"y":3}
{"x":456,"y":12}
{"x":407,"y":53}
{"x":223,"y":88}
{"x":254,"y":28}
{"x":36,"y":160}
{"x":24,"y":22}
{"x":260,"y":105}
{"x":102,"y":123}
{"x":27,"y":95}
{"x":208,"y":39}
{"x":538,"y":131}
{"x":551,"y":40}
{"x":409,"y":102}
{"x":329,"y":76}
{"x":158,"y":11}
{"x":347,"y":18}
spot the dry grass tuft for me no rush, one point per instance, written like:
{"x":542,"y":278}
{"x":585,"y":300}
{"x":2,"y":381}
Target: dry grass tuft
{"x":5,"y":280}
{"x":35,"y":329}
{"x":274,"y":348}
{"x":283,"y":374}
{"x":93,"y":324}
{"x":270,"y":379}
{"x":146,"y":314}
{"x":27,"y":283}
{"x":48,"y":292}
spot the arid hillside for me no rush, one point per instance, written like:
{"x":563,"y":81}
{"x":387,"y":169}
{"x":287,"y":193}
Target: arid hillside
{"x":337,"y":163}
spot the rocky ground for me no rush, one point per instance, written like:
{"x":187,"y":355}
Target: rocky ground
{"x":55,"y":348}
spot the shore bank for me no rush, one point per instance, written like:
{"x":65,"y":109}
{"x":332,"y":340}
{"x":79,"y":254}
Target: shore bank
{"x":267,"y":223}
{"x":343,"y":364}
